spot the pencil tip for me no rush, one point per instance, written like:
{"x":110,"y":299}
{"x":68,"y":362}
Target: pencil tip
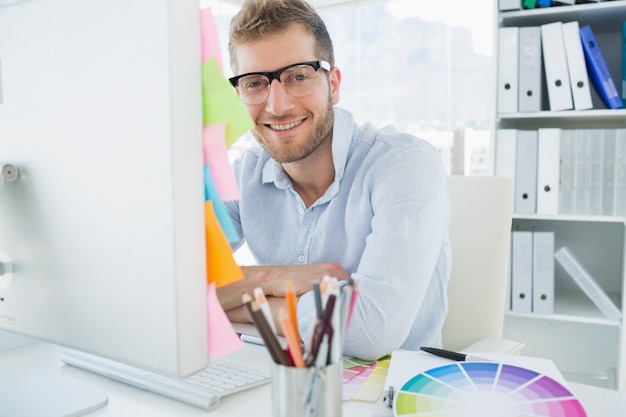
{"x":260,"y":298}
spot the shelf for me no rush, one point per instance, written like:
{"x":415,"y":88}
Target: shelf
{"x":603,"y":16}
{"x":577,"y":326}
{"x":599,"y":118}
{"x":574,"y":306}
{"x":571,"y":218}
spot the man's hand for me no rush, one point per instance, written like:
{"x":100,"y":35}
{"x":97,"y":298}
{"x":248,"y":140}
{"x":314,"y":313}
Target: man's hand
{"x":241,"y":315}
{"x":272,"y":279}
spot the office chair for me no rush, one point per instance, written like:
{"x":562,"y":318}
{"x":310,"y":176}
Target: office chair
{"x":480,"y":230}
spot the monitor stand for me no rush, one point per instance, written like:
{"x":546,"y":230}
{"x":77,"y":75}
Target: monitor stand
{"x":46,"y":393}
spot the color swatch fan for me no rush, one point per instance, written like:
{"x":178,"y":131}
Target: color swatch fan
{"x":485,"y":389}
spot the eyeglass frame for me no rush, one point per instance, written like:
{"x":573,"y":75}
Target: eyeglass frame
{"x":275,"y":75}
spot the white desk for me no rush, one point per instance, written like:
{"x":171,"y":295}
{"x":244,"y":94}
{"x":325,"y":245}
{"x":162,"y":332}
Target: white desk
{"x":128,"y":401}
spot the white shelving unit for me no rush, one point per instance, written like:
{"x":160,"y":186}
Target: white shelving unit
{"x":586,"y":346}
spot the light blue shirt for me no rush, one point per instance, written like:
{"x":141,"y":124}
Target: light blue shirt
{"x":384,"y":219}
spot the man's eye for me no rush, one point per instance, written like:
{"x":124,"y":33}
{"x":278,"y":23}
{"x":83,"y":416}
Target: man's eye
{"x":297,"y":78}
{"x":255,"y":84}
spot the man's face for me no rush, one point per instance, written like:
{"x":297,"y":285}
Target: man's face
{"x":290,"y":128}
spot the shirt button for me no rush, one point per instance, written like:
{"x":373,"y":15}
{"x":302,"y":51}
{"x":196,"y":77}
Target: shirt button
{"x":300,"y":210}
{"x":301,"y":258}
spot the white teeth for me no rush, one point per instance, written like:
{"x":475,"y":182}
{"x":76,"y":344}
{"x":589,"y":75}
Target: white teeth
{"x":285,"y":127}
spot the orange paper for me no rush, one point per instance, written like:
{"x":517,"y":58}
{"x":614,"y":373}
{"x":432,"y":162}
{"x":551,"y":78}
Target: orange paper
{"x":221,"y":266}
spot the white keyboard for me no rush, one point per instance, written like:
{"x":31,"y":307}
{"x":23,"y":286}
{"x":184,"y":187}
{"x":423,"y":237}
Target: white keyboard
{"x":202,"y":389}
{"x":228,"y":378}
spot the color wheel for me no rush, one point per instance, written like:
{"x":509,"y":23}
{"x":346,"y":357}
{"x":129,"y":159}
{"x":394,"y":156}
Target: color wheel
{"x":485,"y":389}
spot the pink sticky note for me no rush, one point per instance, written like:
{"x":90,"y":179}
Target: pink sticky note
{"x":222,"y":336}
{"x":216,"y":156}
{"x":209,"y":40}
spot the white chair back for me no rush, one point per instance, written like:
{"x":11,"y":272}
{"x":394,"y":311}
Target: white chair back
{"x":480,"y":230}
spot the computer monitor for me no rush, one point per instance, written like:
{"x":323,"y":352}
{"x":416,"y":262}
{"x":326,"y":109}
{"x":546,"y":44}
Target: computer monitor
{"x":102,"y":239}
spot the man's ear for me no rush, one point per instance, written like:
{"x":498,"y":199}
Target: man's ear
{"x":335,"y":82}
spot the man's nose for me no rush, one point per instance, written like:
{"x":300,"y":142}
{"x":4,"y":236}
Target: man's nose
{"x":278,"y":100}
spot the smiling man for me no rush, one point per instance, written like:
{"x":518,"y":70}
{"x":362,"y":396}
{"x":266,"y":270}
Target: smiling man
{"x":323,"y":195}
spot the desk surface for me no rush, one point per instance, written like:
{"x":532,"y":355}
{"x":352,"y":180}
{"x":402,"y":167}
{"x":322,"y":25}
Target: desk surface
{"x":128,"y":401}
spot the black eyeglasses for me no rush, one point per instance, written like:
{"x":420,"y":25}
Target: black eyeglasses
{"x":299,"y":80}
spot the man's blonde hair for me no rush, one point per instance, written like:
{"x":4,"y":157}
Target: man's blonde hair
{"x":258,"y":19}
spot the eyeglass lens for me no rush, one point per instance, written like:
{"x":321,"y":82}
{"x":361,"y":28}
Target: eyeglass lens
{"x":298,"y":81}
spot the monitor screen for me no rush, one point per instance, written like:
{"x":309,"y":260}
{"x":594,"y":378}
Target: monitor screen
{"x":102,"y":242}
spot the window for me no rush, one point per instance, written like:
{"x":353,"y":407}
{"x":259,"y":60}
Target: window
{"x":424,"y":67}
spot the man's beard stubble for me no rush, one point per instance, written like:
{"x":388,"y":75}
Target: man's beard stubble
{"x":321,"y":131}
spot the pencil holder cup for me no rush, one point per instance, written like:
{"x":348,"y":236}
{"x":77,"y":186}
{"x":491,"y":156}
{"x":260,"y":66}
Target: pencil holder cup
{"x":291,"y":388}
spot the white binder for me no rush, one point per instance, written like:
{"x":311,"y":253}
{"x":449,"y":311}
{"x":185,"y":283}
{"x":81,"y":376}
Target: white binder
{"x":526,"y":172}
{"x":619,"y":180}
{"x":521,"y":271}
{"x":595,"y":171}
{"x":508,"y":47}
{"x":509,"y":5}
{"x":588,"y":284}
{"x":548,"y":167}
{"x":581,"y":178}
{"x":555,"y":63}
{"x":579,"y":79}
{"x":505,"y":157}
{"x":530,"y":69}
{"x":567,"y":172}
{"x":505,"y":153}
{"x":543,"y":272}
{"x":608,"y":171}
